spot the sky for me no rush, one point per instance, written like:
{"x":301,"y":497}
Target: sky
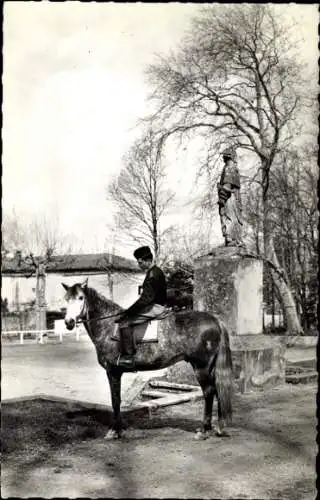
{"x":73,"y":89}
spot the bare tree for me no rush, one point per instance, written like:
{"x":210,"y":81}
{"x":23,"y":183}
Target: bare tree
{"x":235,"y":78}
{"x":139,"y":192}
{"x":36,"y":244}
{"x":185,"y":243}
{"x":295,"y":220}
{"x":253,"y":217}
{"x":114,"y":272}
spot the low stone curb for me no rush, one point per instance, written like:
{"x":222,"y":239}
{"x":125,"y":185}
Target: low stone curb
{"x":302,"y":363}
{"x":158,"y":402}
{"x":297,"y":341}
{"x":87,"y":404}
{"x":46,"y":397}
{"x":302,"y":378}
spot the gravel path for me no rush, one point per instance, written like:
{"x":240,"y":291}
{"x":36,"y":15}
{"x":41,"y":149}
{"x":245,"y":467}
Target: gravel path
{"x":71,"y":370}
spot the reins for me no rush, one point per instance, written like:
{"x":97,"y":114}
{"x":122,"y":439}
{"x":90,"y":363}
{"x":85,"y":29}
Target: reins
{"x":113,"y":316}
{"x":87,"y":320}
{"x":100,"y":318}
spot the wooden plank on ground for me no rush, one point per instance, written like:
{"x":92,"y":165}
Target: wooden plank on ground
{"x":173,"y":399}
{"x":172,"y":385}
{"x":134,"y":390}
{"x":154,"y":394}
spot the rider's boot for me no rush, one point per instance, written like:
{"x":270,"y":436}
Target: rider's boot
{"x":126,"y":359}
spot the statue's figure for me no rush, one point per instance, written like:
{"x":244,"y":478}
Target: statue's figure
{"x":230,"y":208}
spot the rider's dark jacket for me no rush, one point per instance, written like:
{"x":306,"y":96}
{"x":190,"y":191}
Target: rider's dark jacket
{"x":154,"y":291}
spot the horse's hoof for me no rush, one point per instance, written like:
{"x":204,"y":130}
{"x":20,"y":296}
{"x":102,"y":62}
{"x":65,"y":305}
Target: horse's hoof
{"x":210,"y":432}
{"x":200,"y":436}
{"x":221,"y":433}
{"x":112,"y":435}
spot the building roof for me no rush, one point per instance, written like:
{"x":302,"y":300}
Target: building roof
{"x":73,"y":264}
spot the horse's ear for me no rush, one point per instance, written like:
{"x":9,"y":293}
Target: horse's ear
{"x":84,"y":284}
{"x":65,"y":286}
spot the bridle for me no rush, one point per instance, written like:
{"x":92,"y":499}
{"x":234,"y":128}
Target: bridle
{"x":83,"y":316}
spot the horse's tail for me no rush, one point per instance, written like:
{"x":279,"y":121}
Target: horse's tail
{"x":223,"y":375}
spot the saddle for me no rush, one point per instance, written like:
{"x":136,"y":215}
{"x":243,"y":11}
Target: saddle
{"x":146,"y":331}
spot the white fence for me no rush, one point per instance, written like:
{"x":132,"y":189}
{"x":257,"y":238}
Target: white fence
{"x":42,"y":336}
{"x":39,"y":335}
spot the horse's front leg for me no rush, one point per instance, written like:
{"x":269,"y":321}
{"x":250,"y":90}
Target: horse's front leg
{"x":114,"y":377}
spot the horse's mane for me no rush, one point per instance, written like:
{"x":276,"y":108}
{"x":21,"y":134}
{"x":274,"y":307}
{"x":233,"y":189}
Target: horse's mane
{"x":100,"y":301}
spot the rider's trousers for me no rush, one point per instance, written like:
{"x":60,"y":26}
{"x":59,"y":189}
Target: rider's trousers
{"x":126,"y":327}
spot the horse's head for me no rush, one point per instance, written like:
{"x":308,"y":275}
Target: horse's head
{"x":76,"y":303}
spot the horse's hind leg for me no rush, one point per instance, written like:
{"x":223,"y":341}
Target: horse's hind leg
{"x":220,"y":426}
{"x":207,"y":384}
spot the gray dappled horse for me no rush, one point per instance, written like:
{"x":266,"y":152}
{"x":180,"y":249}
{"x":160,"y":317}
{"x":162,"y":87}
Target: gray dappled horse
{"x":193,"y":336}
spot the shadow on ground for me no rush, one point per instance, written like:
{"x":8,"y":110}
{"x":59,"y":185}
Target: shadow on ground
{"x":55,"y":449}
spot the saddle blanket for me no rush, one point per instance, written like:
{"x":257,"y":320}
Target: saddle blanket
{"x":146,"y":332}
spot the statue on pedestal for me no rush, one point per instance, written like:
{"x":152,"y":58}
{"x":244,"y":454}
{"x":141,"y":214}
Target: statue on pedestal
{"x":229,"y":200}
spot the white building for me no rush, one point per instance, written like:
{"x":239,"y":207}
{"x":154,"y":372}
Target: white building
{"x":114,"y":277}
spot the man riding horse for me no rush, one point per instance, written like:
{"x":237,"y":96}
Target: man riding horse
{"x":149,"y":305}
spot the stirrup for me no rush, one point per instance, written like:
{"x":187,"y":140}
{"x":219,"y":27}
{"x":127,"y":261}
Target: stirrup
{"x":129,"y":363}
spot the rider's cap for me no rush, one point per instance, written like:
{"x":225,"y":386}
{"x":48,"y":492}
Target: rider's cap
{"x":143,"y":253}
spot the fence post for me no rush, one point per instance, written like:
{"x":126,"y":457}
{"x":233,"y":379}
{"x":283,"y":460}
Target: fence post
{"x":77,"y":333}
{"x":41,"y":338}
{"x":21,"y":338}
{"x":60,"y":336}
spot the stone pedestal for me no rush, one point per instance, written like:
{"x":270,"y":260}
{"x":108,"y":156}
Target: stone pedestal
{"x":258,"y":361}
{"x":228,"y":284}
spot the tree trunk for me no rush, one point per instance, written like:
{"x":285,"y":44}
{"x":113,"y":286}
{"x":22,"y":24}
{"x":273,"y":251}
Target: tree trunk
{"x":109,"y":273}
{"x":41,"y":322}
{"x":272,"y":306}
{"x":155,"y":241}
{"x":18,"y":306}
{"x":278,"y":276}
{"x":110,"y":285}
